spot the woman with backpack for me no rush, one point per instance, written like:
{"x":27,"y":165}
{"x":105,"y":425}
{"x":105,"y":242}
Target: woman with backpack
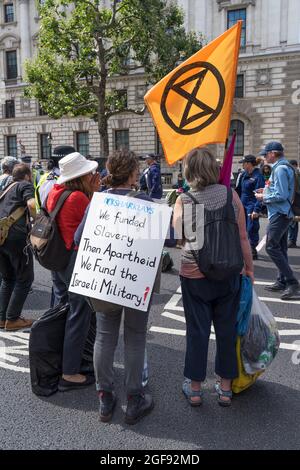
{"x":123,"y":170}
{"x":78,"y":175}
{"x":213,"y":255}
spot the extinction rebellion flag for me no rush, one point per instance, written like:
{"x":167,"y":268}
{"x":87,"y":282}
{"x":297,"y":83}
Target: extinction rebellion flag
{"x":191,"y":106}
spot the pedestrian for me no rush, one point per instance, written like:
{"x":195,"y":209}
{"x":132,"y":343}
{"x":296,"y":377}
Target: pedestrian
{"x":49,"y":179}
{"x":205,"y":299}
{"x":250,"y":181}
{"x":266,"y":172}
{"x":16,"y":263}
{"x":7,"y":166}
{"x":293,"y":228}
{"x":151,"y":177}
{"x":123,"y":170}
{"x":78,"y":175}
{"x":278,"y":196}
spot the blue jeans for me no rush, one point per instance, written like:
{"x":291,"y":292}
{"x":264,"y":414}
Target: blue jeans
{"x":293,"y":232}
{"x":78,"y":319}
{"x":276,"y":247}
{"x":16,"y":269}
{"x":206,"y":301}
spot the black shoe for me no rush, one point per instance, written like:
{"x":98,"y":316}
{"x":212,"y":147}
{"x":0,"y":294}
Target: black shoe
{"x":66,"y":385}
{"x":138,"y":406}
{"x":292,"y":292}
{"x":276,"y":287}
{"x":107,"y":404}
{"x":291,"y":244}
{"x":254,"y":253}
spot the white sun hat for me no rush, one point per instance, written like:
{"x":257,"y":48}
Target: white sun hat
{"x":73,"y":166}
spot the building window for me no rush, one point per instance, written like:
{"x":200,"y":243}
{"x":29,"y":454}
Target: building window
{"x":82,"y":143}
{"x":45,"y":146}
{"x":166,"y":178}
{"x":11,"y":145}
{"x":239,"y":128}
{"x":9,"y":109}
{"x":122,"y":97}
{"x":9,"y":13}
{"x":239,"y":87}
{"x":41,"y":111}
{"x":122,"y":139}
{"x":158,"y":146}
{"x":232,"y":17}
{"x":11,"y":65}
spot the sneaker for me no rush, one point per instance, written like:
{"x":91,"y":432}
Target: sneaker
{"x":291,"y":244}
{"x":2,"y":324}
{"x":292,"y":292}
{"x":107,"y":405}
{"x":138,"y":406}
{"x":66,"y":385}
{"x":276,"y":287}
{"x":18,"y":324}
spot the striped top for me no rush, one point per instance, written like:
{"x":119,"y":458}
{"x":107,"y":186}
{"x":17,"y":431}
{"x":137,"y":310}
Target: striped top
{"x":212,"y":197}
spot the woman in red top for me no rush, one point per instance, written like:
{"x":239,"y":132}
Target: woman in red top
{"x":78,"y":175}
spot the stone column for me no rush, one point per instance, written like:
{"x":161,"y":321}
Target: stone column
{"x":24,"y":21}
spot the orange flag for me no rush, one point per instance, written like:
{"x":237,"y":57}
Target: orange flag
{"x":191,"y":106}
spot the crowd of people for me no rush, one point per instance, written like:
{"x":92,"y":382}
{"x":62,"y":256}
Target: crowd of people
{"x":207,"y":296}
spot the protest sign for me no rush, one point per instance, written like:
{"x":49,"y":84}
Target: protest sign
{"x":120,"y":250}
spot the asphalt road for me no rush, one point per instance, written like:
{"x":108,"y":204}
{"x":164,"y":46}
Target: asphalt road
{"x":267,"y":416}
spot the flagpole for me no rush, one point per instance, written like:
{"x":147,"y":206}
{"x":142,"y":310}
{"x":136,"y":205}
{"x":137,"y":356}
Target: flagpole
{"x":237,"y":49}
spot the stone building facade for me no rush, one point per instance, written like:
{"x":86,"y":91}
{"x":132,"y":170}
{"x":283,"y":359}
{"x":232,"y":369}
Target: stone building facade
{"x":266,"y":107}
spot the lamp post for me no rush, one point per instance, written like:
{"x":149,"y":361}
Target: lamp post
{"x":49,"y":138}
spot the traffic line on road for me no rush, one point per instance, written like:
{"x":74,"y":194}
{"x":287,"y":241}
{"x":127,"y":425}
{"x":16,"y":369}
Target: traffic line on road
{"x":261,"y":244}
{"x":172,"y":331}
{"x":279,"y":301}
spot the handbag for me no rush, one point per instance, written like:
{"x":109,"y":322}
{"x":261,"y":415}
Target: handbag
{"x":7,"y":222}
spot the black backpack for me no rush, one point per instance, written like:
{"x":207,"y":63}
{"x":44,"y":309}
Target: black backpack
{"x":45,"y":240}
{"x":46,"y":343}
{"x":221,"y":255}
{"x":295,"y":204}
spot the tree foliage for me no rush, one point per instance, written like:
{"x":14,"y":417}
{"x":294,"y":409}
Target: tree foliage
{"x":82,"y":43}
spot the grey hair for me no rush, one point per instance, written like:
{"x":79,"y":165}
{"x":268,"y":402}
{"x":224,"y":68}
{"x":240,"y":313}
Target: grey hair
{"x":8,"y":164}
{"x":201,"y":168}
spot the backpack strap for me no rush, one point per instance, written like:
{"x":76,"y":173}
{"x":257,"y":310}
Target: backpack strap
{"x":15,"y":216}
{"x":8,"y":189}
{"x":63,"y":197}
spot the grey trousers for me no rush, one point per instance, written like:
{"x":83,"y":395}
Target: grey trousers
{"x":135,"y":330}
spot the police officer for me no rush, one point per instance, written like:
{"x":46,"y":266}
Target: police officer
{"x":250,"y":181}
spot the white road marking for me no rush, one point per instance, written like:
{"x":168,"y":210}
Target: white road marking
{"x":261,"y":244}
{"x":173,"y":316}
{"x":279,"y":301}
{"x":287,"y":320}
{"x":4,"y":365}
{"x":176,"y":298}
{"x":263,"y":283}
{"x":170,"y":331}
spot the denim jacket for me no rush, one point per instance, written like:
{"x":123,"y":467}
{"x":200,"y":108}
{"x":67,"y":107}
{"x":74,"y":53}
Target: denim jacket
{"x":279,"y":194}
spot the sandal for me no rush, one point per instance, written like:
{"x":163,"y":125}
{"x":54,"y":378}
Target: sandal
{"x":223,"y":393}
{"x":189,"y":393}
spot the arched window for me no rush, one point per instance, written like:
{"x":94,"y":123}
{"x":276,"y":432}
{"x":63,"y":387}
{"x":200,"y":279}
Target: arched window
{"x":239,"y":127}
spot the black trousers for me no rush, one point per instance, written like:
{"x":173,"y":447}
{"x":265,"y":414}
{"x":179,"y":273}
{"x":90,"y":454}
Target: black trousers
{"x":78,"y":319}
{"x":16,"y":268}
{"x":204,"y":302}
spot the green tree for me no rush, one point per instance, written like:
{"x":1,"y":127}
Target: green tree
{"x":82,"y":43}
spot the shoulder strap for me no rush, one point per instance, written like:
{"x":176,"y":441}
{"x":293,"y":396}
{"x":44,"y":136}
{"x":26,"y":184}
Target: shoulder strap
{"x":191,"y":197}
{"x":63,"y":197}
{"x":16,"y":215}
{"x":8,"y":189}
{"x":134,"y":193}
